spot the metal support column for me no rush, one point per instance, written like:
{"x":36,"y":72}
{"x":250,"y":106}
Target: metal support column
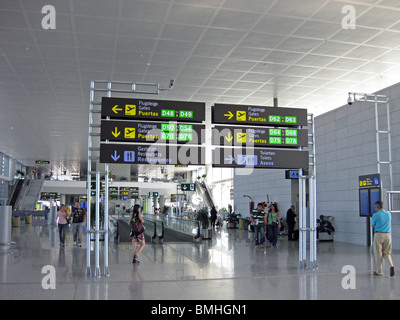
{"x":89,"y":181}
{"x":97,"y":228}
{"x":98,"y":89}
{"x":302,"y":221}
{"x":313,"y":200}
{"x":311,"y":217}
{"x":105,"y":244}
{"x":378,"y":99}
{"x":105,"y":226}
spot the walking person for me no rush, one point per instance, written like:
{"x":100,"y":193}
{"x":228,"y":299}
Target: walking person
{"x":257,"y":218}
{"x":62,"y":216}
{"x":137,"y":236}
{"x":273,"y":224}
{"x":78,"y":218}
{"x":291,"y":221}
{"x":382,"y":244}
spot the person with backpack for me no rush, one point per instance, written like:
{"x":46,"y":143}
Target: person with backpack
{"x":78,"y":216}
{"x":137,"y":232}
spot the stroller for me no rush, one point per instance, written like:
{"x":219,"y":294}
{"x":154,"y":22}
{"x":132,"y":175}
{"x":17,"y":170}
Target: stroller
{"x":325,"y":228}
{"x":324,"y":224}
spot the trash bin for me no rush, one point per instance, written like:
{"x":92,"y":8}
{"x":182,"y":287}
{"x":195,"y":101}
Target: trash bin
{"x":16,"y":221}
{"x":244,"y":223}
{"x":28,"y":218}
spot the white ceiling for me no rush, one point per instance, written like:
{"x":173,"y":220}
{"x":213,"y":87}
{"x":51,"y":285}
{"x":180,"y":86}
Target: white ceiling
{"x":226,"y":51}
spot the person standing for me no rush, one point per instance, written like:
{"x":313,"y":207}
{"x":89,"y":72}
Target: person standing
{"x":78,"y":218}
{"x":62,"y":216}
{"x":273,"y":223}
{"x":291,"y":221}
{"x":213,"y":218}
{"x":137,"y":237}
{"x":382,"y":244}
{"x":257,"y":218}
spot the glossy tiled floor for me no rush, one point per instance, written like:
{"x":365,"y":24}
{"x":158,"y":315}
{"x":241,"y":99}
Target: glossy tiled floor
{"x":227,"y":267}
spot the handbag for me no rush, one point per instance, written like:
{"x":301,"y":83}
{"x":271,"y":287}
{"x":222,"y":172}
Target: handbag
{"x":137,"y":227}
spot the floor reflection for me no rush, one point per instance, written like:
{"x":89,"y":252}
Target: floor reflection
{"x":228,"y":266}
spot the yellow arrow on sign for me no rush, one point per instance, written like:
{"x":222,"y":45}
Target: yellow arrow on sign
{"x":229,"y":137}
{"x":116,"y":133}
{"x":229,"y":115}
{"x":116,"y":109}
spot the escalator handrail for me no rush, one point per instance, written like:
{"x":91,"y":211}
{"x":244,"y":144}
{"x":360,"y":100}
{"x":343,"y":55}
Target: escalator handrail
{"x":162,"y":231}
{"x":155,"y":231}
{"x":198,"y":230}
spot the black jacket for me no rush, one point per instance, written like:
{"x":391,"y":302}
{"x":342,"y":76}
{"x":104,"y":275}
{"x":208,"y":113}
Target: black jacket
{"x":290,"y":215}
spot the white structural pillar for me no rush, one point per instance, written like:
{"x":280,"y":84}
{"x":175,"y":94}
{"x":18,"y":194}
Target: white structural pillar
{"x":97,"y":228}
{"x":5,"y":225}
{"x":105,"y":243}
{"x":302,"y":221}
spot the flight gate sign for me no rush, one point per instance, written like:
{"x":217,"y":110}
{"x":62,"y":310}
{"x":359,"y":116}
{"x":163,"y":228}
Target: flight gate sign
{"x":259,"y":158}
{"x":141,"y":109}
{"x":259,"y":115}
{"x":131,"y":131}
{"x":259,"y":137}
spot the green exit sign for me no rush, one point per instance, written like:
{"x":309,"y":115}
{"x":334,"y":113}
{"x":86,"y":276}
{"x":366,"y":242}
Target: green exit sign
{"x":153,"y":194}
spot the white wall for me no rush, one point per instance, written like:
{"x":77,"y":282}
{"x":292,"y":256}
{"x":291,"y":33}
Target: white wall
{"x":346,"y":149}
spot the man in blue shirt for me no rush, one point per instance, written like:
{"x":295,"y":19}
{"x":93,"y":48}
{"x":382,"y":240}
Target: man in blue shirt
{"x":380,"y":222}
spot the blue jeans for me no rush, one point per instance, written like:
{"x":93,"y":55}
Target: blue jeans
{"x":76,"y":231}
{"x":272,"y":234}
{"x":259,"y":235}
{"x":62,"y":228}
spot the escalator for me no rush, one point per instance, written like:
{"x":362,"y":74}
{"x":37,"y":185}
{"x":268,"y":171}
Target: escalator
{"x":15,"y":193}
{"x":33,"y":194}
{"x":28,"y":194}
{"x":203,"y":189}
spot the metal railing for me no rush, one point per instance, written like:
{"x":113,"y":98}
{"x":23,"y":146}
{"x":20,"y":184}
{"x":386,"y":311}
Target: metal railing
{"x":189,"y":227}
{"x":157,"y":226}
{"x":153,"y":229}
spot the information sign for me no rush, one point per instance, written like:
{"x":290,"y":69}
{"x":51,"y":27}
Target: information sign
{"x":146,"y":109}
{"x":259,"y":115}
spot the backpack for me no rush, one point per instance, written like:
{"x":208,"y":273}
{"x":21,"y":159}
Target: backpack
{"x":137,"y":226}
{"x":79,"y":216}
